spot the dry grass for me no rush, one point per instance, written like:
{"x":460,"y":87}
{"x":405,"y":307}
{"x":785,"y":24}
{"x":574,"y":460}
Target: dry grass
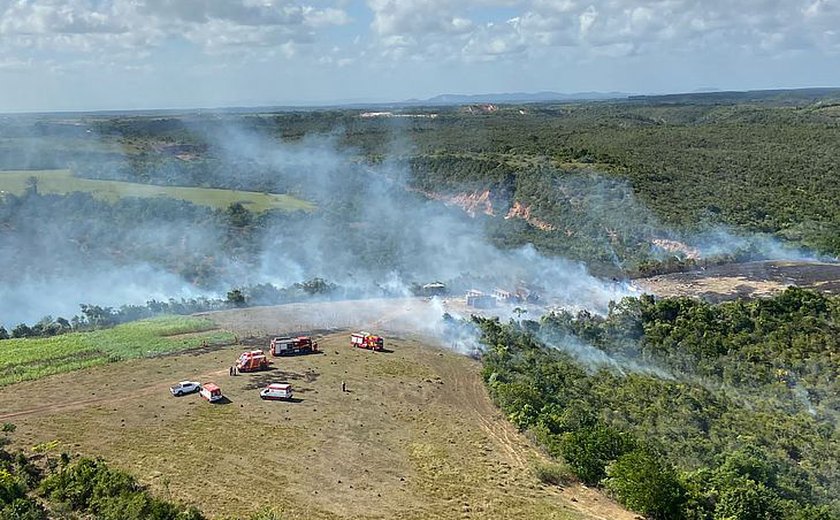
{"x":415,"y":437}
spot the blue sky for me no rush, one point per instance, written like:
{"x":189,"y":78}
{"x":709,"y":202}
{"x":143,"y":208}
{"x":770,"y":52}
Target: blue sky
{"x":123,"y":54}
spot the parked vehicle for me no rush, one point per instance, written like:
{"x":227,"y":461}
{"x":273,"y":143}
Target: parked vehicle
{"x":277,"y":391}
{"x":211,"y":392}
{"x":252,"y":361}
{"x":366,"y":340}
{"x":286,"y":346}
{"x":184,"y":388}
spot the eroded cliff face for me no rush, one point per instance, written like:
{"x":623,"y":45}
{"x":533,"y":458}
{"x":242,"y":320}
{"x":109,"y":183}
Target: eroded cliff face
{"x":482,"y":202}
{"x":523,"y":211}
{"x":472,"y":203}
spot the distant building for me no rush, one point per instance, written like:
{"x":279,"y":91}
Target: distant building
{"x":433,"y":289}
{"x":503,"y":296}
{"x":479,"y":300}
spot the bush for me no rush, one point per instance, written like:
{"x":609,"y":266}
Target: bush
{"x":23,"y":509}
{"x":553,"y":473}
{"x":645,"y":484}
{"x":747,"y":500}
{"x":589,"y":451}
{"x":90,"y":486}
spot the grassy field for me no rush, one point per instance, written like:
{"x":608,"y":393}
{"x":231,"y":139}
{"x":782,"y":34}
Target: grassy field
{"x":33,"y":358}
{"x":63,"y":181}
{"x":414,"y":437}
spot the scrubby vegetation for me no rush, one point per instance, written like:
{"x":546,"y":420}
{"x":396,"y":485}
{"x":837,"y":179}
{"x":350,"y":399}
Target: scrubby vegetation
{"x":684,"y":409}
{"x":43,"y":486}
{"x":46,"y":485}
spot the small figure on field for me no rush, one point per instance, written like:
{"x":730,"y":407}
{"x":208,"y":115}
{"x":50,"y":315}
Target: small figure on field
{"x":343,"y":386}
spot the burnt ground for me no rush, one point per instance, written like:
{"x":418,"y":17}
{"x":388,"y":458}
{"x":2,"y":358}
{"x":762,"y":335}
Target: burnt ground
{"x":745,"y":280}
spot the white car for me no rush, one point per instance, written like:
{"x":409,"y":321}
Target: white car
{"x":185,"y":387}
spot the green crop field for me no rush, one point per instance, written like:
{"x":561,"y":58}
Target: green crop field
{"x":63,"y":182}
{"x":32,"y":358}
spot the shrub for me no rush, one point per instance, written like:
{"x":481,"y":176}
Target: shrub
{"x":747,"y":500}
{"x":553,"y":473}
{"x":645,"y":484}
{"x":90,"y":486}
{"x":11,"y":488}
{"x":23,"y":509}
{"x":588,"y":451}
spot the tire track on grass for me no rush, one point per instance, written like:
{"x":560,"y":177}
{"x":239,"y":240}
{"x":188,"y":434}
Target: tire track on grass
{"x":85,"y":403}
{"x":468,"y":390}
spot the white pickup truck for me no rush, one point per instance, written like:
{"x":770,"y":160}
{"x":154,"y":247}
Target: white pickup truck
{"x":185,"y":387}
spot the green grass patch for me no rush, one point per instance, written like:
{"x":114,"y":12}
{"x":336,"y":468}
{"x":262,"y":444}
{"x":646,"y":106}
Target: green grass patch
{"x":62,"y":182}
{"x":33,"y":358}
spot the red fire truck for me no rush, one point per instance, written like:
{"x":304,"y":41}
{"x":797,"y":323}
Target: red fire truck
{"x":287,"y":346}
{"x":252,"y":361}
{"x":366,"y":340}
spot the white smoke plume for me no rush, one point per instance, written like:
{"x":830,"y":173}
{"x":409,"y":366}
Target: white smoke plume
{"x":369,"y":235}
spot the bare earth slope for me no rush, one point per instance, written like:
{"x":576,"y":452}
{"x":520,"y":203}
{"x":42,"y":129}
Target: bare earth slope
{"x":415,"y":437}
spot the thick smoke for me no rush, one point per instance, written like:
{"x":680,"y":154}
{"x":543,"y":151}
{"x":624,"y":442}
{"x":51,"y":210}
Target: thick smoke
{"x":372,"y":235}
{"x":594,"y":359}
{"x":60,"y":252}
{"x":369,"y":235}
{"x":721,"y":241}
{"x":605,"y":214}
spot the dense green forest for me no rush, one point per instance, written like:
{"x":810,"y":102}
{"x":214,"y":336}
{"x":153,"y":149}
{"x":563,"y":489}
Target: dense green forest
{"x":765,"y":169}
{"x":605,"y":176}
{"x":681,"y":408}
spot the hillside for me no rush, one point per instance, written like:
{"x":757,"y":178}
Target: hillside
{"x":556,"y":216}
{"x":682,"y":408}
{"x":415,"y":437}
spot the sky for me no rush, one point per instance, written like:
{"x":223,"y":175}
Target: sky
{"x":143,"y":54}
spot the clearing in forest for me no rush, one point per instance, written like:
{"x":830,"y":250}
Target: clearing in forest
{"x":414,"y":436}
{"x":63,"y":182}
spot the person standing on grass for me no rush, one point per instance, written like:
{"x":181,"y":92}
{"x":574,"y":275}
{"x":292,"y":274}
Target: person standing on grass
{"x":343,"y":386}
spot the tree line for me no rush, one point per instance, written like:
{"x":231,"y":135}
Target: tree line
{"x":94,"y":317}
{"x":681,"y":408}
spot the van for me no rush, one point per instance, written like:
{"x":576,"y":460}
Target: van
{"x":277,"y":391}
{"x":211,"y":392}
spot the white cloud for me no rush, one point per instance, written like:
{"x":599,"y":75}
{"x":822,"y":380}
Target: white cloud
{"x":602,"y":27}
{"x":492,"y":41}
{"x":101,"y":27}
{"x":411,"y":47}
{"x":418,"y":17}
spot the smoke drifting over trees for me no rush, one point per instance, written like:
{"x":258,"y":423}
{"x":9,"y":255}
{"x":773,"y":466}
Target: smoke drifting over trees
{"x":369,"y":234}
{"x":378,"y":225}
